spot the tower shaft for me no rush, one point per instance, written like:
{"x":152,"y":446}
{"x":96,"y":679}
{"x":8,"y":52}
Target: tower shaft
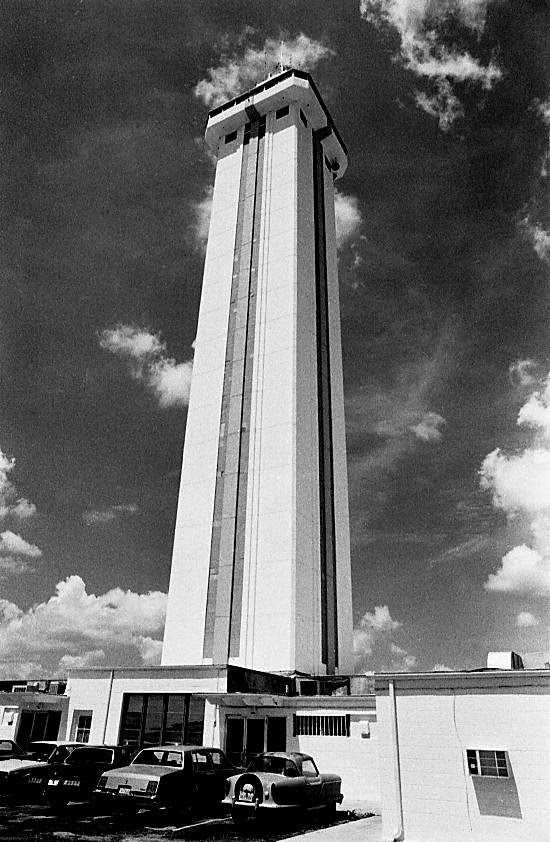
{"x":261,"y":570}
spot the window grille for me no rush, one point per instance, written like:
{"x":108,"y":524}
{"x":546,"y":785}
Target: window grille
{"x":321,"y":726}
{"x":490,"y":764}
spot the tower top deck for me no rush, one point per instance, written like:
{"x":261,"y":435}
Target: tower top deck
{"x":290,"y":86}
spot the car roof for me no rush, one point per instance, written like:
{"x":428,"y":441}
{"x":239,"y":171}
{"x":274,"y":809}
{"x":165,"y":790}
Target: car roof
{"x":286,"y":755}
{"x":180,"y":747}
{"x":56,"y":743}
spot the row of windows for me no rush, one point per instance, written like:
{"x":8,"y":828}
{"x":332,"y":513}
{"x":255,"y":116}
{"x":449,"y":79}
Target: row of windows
{"x":321,"y":726}
{"x":279,"y":114}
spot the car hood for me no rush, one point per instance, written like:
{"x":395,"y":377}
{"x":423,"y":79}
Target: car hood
{"x":14,"y":763}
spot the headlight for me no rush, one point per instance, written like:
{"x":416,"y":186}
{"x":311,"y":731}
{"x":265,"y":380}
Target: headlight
{"x":152,"y":787}
{"x":102,"y":783}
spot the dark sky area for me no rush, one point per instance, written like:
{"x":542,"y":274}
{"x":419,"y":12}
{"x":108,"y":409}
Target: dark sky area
{"x":444,"y":272}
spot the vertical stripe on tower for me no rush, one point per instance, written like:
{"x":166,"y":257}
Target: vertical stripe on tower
{"x":224,"y":600}
{"x":329,"y":620}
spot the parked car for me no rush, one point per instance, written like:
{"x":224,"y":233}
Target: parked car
{"x":75,"y":778}
{"x":15,"y":772}
{"x":281,"y":781}
{"x":169,"y":776}
{"x":10,"y":749}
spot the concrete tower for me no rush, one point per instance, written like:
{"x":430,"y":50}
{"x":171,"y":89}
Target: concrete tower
{"x":261,"y":567}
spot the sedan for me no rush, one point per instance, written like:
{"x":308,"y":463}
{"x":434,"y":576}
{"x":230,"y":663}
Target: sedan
{"x":16,"y":772}
{"x":281,"y":781}
{"x":169,"y":776}
{"x":76,"y":777}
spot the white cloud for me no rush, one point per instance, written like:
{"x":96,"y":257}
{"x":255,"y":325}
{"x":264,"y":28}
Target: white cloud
{"x":526,"y":619}
{"x":441,"y":668}
{"x":372,"y":641}
{"x":520,"y":486}
{"x":202,"y":211}
{"x":523,"y":373}
{"x":145,"y":354}
{"x":93,"y":658}
{"x":10,"y":506}
{"x":95,"y":517}
{"x":348,"y":217}
{"x":422,"y":51}
{"x":123,"y":625}
{"x":538,"y":237}
{"x":14,"y":544}
{"x":429,"y":428}
{"x":236,"y":74}
{"x":10,"y":566}
{"x":523,"y":571}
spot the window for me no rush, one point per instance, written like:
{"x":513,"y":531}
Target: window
{"x":91,"y":755}
{"x":491,"y":764}
{"x":309,"y":769}
{"x":303,"y":118}
{"x":9,"y":715}
{"x":82,"y":725}
{"x":229,"y":138}
{"x":157,"y":718}
{"x":281,"y":112}
{"x":321,"y":726}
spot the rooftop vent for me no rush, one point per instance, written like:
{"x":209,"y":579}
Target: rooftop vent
{"x":504,"y":661}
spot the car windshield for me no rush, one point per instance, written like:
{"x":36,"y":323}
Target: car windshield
{"x":275,"y":765}
{"x":158,"y":757}
{"x":91,"y":755}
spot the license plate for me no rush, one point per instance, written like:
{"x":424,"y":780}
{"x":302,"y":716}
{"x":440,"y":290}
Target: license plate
{"x":124,"y":790}
{"x":52,"y":783}
{"x":246,"y":796}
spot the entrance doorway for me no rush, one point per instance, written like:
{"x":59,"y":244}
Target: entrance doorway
{"x":38,"y":725}
{"x":245,"y":737}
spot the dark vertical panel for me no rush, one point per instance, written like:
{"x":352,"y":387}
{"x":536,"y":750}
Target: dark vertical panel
{"x":329,"y":641}
{"x":224,"y":599}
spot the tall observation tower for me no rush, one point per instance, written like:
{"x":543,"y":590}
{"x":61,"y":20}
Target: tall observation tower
{"x":261,"y":567}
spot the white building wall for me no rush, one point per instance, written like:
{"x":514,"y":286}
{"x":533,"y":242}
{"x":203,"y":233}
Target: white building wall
{"x":435,"y":727}
{"x":184,"y":630}
{"x":102,"y":691}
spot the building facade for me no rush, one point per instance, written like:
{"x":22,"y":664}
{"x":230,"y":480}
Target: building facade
{"x":261,"y":568}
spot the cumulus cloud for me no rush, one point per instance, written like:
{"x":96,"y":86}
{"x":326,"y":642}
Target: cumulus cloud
{"x":523,"y":373}
{"x":429,"y":427}
{"x":442,"y":668}
{"x":202,"y":210}
{"x":10,"y":566}
{"x":520,"y":486}
{"x":14,"y":544}
{"x":74,"y":627}
{"x":372,"y":641}
{"x":526,"y":619}
{"x":236,"y":74}
{"x":420,"y":25}
{"x":145,"y":354}
{"x":95,"y":517}
{"x":538,"y":237}
{"x":10,"y":504}
{"x":348,"y":217}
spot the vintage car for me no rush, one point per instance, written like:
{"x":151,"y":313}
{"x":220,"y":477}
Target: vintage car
{"x":281,"y":781}
{"x":169,"y":776}
{"x":15,"y":772}
{"x":75,"y":778}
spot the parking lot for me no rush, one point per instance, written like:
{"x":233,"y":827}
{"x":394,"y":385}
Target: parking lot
{"x":86,"y":822}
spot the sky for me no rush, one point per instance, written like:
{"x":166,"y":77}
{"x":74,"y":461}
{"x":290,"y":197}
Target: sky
{"x":444,"y":265}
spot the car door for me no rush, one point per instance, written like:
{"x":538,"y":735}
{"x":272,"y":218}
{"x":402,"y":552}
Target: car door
{"x":204,"y":776}
{"x":221,"y":769}
{"x":313,"y":783}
